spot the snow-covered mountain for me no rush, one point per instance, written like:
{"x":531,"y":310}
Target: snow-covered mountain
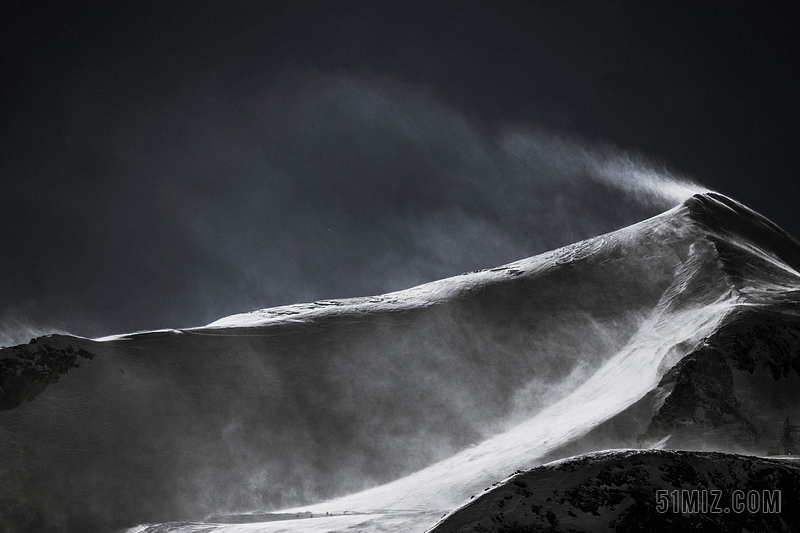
{"x":384,"y":413}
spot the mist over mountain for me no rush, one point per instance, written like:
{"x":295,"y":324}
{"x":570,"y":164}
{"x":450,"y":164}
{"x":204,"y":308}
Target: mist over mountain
{"x":388,"y":411}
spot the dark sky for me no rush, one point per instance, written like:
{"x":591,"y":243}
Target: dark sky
{"x":167,"y":163}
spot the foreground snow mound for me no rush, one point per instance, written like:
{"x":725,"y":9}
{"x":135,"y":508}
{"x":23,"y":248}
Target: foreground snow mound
{"x":396,"y":408}
{"x":633,"y":491}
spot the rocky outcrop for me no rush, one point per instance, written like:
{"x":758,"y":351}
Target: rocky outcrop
{"x":27,"y":370}
{"x":632,"y":491}
{"x":735,"y":389}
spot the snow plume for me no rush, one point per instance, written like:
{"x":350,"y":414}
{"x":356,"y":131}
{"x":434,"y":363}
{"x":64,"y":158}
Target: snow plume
{"x":631,"y":173}
{"x":16,"y":329}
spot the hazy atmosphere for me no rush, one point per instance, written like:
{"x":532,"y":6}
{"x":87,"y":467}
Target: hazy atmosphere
{"x":164,"y":166}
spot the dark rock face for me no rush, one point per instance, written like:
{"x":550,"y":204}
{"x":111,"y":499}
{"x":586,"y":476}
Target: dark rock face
{"x":702,"y":395}
{"x":27,"y":370}
{"x":702,"y":383}
{"x":617,"y":491}
{"x":769,"y":342}
{"x":727,"y":381}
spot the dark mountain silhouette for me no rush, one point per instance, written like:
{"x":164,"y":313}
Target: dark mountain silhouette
{"x":619,"y":491}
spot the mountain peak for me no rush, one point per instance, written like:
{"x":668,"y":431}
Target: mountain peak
{"x":735,"y":222}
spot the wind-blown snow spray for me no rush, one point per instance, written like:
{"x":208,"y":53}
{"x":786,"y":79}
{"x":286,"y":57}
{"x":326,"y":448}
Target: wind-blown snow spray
{"x":577,"y":160}
{"x":15,"y":328}
{"x":694,"y":304}
{"x":307,"y":402}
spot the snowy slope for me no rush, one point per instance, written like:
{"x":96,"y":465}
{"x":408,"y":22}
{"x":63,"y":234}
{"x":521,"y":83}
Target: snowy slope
{"x":426,"y":395}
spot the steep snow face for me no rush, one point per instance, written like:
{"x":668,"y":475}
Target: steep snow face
{"x":675,"y":327}
{"x":461,"y":380}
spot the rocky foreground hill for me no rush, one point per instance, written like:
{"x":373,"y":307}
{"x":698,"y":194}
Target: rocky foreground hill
{"x":631,"y":491}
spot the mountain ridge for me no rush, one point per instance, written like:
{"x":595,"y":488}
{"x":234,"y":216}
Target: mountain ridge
{"x":290,"y":406}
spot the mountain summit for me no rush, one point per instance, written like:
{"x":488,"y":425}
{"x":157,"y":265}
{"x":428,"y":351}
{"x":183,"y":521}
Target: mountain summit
{"x":679,"y":331}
